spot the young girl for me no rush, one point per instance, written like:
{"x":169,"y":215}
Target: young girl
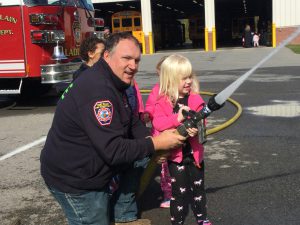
{"x":179,"y":91}
{"x":165,"y":179}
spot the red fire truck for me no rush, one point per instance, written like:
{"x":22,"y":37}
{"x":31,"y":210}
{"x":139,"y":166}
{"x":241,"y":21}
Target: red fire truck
{"x":40,"y":39}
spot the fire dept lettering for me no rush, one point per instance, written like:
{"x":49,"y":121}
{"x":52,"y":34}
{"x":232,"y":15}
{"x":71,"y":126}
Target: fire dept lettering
{"x":8,"y":19}
{"x":103,"y":111}
{"x":72,"y":52}
{"x":6,"y":32}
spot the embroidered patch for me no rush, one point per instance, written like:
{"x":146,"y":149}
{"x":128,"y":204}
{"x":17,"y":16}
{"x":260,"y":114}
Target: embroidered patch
{"x":103,"y":111}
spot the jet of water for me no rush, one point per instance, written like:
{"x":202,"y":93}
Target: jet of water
{"x":227,"y":92}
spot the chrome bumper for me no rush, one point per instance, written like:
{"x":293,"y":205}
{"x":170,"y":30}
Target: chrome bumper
{"x":60,"y":72}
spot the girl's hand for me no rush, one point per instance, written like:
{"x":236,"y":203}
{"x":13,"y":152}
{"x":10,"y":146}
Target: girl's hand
{"x":192,"y":132}
{"x":180,"y":117}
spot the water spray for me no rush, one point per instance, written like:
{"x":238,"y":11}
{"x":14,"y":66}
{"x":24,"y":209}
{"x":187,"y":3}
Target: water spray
{"x":228,"y":91}
{"x":216,"y":102}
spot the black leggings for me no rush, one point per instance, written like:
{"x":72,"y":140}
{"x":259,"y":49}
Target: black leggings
{"x":187,"y":180}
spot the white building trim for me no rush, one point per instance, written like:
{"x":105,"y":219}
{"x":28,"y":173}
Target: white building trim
{"x":209,"y":14}
{"x":286,"y":13}
{"x":146,"y":16}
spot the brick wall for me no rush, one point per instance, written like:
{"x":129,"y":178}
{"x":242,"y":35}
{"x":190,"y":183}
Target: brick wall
{"x":283,"y":33}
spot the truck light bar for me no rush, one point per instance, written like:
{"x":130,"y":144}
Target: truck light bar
{"x":95,"y":22}
{"x":47,"y":36}
{"x":41,"y":18}
{"x":99,"y":22}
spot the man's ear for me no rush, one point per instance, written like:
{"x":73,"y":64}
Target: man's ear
{"x":105,"y":54}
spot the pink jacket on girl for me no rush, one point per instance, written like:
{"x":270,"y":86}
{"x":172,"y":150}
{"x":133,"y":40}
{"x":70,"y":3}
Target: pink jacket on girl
{"x":150,"y":104}
{"x":152,"y":98}
{"x":139,"y":98}
{"x":164,"y":118}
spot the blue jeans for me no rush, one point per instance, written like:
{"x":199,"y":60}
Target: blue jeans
{"x":86,"y":208}
{"x":123,"y":202}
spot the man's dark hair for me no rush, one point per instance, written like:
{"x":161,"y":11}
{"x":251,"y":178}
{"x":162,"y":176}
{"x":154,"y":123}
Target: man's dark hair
{"x":89,"y":45}
{"x":112,"y":41}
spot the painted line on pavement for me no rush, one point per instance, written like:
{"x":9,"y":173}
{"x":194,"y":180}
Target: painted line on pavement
{"x":23,"y":148}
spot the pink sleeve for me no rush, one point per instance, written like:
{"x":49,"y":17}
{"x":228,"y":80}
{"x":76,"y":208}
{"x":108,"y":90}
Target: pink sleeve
{"x":149,"y":106}
{"x":163,"y":121}
{"x":139,"y":98}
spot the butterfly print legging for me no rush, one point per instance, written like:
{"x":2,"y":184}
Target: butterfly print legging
{"x":187,"y":182}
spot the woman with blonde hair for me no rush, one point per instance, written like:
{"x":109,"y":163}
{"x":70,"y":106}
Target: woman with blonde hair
{"x":178,"y":92}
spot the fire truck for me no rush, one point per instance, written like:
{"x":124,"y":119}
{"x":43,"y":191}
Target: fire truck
{"x":40,"y":40}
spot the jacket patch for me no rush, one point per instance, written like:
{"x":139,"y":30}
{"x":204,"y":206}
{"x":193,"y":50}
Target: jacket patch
{"x":103,"y":111}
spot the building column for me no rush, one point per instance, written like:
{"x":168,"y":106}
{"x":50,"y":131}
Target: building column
{"x":147,"y":26}
{"x":210,"y":29}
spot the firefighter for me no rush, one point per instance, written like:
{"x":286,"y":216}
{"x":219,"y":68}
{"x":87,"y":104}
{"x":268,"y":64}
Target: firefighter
{"x":94,"y":135}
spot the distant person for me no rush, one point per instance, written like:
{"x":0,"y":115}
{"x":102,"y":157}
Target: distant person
{"x":90,"y":52}
{"x":247,"y":37}
{"x":94,"y":135}
{"x":178,"y":92}
{"x":255,"y":40}
{"x":106,"y":32}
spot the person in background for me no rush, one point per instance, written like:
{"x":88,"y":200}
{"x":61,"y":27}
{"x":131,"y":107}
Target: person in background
{"x":247,"y":37}
{"x":106,"y":32}
{"x":255,"y":40}
{"x":90,"y":52}
{"x":94,"y":135}
{"x":165,"y":179}
{"x":179,"y":91}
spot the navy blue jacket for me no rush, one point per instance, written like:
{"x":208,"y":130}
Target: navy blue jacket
{"x":81,"y":69}
{"x":93,"y":135}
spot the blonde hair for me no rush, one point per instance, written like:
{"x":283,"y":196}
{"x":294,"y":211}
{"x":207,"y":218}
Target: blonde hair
{"x":173,"y":69}
{"x":158,"y":65}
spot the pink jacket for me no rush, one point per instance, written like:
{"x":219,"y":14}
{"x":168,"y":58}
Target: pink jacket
{"x":139,"y":98}
{"x":152,"y":98}
{"x":150,"y":104}
{"x":164,"y":118}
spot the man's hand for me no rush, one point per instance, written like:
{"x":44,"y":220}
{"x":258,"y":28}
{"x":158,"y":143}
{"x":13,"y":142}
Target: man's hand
{"x":167,"y":140}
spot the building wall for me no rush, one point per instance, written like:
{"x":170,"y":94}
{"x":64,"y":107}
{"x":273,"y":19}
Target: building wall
{"x":286,"y":18}
{"x":286,"y":13}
